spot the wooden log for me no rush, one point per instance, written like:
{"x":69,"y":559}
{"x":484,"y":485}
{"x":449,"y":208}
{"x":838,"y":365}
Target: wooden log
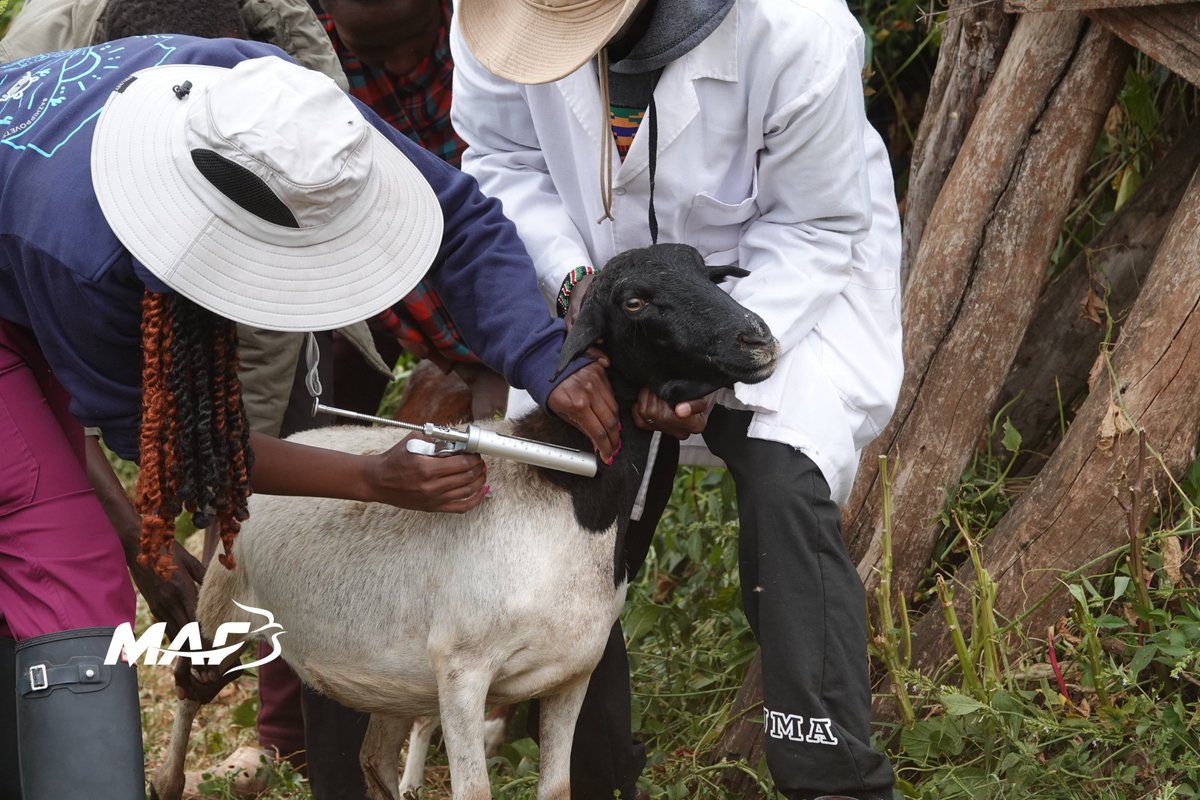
{"x":972,"y":44}
{"x":1022,"y":6}
{"x":1073,"y":512}
{"x":1168,"y":34}
{"x":980,"y":270}
{"x":1052,"y":365}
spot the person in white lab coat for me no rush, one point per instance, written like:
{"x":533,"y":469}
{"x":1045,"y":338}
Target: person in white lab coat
{"x":738,"y":127}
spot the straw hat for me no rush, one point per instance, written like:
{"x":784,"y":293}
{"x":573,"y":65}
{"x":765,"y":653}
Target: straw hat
{"x":539,"y":41}
{"x":262,"y":194}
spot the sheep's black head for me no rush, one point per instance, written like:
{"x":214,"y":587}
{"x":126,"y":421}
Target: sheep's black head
{"x":666,"y":324}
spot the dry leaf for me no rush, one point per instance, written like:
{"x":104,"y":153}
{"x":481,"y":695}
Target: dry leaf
{"x":1130,"y":615}
{"x":1108,"y":432}
{"x":1063,"y":629}
{"x":1084,"y":708}
{"x":1172,"y":556}
{"x":1090,"y":308}
{"x":1114,"y":120}
{"x":1036,"y":672}
{"x":1112,"y":426}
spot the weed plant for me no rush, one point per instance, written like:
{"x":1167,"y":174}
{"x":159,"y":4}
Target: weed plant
{"x":1105,"y":706}
{"x":8,"y":10}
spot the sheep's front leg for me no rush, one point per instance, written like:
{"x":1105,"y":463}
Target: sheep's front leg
{"x":462,"y":700}
{"x":380,"y":753}
{"x":168,"y":780}
{"x":556,"y":729}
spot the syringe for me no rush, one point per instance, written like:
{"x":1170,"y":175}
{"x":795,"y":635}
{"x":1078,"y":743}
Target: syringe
{"x":479,"y":440}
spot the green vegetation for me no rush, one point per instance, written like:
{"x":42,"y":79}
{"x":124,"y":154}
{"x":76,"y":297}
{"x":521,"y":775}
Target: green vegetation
{"x":1107,"y":710}
{"x":1119,"y":719}
{"x":8,"y":9}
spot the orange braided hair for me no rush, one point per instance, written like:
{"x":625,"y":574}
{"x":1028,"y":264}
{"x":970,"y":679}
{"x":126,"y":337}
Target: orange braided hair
{"x":194,"y":444}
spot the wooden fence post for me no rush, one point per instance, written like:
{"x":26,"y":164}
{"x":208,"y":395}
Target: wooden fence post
{"x":972,"y":43}
{"x":1062,"y":342}
{"x":1073,"y":512}
{"x":980,"y":269}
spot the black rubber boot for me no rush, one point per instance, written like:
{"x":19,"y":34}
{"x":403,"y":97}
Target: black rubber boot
{"x":10,"y":769}
{"x":78,"y":724}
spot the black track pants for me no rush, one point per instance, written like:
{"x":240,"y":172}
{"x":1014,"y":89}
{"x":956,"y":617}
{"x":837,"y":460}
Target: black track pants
{"x":806,"y":605}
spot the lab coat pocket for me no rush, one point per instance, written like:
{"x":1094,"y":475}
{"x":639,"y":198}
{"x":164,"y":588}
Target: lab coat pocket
{"x":714,"y":227}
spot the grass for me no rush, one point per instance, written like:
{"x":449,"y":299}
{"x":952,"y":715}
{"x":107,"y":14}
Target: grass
{"x":1106,"y":706}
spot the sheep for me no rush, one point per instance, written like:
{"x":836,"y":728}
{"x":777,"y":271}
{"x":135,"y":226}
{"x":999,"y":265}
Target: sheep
{"x":404,"y":614}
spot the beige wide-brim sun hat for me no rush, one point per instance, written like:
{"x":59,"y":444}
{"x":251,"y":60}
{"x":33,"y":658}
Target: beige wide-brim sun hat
{"x":262,"y":194}
{"x":539,"y":41}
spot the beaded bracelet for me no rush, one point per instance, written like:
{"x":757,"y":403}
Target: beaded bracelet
{"x":568,"y":284}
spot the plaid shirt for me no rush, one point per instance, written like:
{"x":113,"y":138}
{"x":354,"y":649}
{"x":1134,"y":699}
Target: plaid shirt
{"x":420,"y":109}
{"x":422,"y":325}
{"x":420,"y":106}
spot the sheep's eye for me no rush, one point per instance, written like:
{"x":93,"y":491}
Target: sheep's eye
{"x":634,"y":305}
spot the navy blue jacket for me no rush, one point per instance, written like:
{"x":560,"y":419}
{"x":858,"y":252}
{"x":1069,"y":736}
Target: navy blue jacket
{"x":65,"y":276}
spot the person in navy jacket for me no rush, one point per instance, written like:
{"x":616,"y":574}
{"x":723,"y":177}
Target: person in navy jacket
{"x":153,"y":192}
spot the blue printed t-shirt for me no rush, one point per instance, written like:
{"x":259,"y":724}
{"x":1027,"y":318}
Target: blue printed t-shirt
{"x":65,"y":276}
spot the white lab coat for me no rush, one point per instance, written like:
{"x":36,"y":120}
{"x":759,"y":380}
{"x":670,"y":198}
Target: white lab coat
{"x":765,"y":160}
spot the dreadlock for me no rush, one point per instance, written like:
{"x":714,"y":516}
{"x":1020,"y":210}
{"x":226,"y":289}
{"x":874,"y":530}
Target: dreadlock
{"x":195,"y":450}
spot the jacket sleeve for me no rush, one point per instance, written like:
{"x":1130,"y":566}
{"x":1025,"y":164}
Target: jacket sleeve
{"x":492,"y":116}
{"x":47,"y":26}
{"x":485,"y":278}
{"x":292,"y":26}
{"x":813,"y":197}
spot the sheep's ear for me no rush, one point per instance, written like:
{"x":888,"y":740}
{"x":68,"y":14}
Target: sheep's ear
{"x":717,"y":274}
{"x":588,"y":327}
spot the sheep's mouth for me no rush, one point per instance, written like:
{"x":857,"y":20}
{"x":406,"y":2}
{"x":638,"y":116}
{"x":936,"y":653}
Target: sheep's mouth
{"x":762,"y":362}
{"x":744,"y":372}
{"x":761,"y":374}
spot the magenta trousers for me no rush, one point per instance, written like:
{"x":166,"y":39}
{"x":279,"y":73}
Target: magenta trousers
{"x":61,"y":564}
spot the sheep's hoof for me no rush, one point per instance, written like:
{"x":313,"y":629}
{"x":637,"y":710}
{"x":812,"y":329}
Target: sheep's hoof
{"x":164,"y":789}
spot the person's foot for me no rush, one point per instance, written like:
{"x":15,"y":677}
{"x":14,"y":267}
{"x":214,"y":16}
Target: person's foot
{"x":252,"y":768}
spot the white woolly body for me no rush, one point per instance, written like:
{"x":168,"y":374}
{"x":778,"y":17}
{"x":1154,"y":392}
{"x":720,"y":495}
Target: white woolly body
{"x":401,"y":613}
{"x":373,"y":597}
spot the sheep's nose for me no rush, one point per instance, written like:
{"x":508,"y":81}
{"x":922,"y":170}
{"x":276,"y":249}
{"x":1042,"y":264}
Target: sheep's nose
{"x":755,"y":339}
